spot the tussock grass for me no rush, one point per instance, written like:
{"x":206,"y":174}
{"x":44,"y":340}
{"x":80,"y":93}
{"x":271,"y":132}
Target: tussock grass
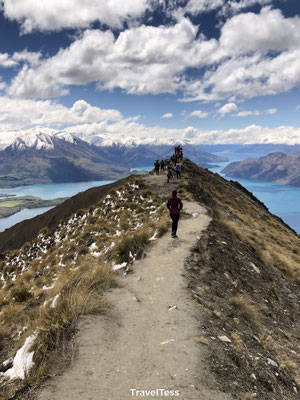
{"x":252,"y":222}
{"x":247,"y":310}
{"x":78,"y":293}
{"x":202,"y":340}
{"x":64,"y":274}
{"x":163,"y":225}
{"x":248,"y":396}
{"x":131,"y":247}
{"x":261,"y":310}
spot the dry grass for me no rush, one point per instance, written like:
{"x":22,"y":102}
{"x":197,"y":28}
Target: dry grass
{"x":248,"y":396}
{"x":80,"y":293}
{"x":252,"y":223}
{"x":247,"y":310}
{"x":131,"y":247}
{"x":262,"y":315}
{"x":202,"y":340}
{"x":62,"y":266}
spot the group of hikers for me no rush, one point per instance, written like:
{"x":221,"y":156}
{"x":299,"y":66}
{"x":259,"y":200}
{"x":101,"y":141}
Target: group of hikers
{"x":170,"y":166}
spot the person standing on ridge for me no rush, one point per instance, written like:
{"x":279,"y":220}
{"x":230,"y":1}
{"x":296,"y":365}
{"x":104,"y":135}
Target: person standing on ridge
{"x":174,"y":205}
{"x":178,"y":171}
{"x":156,"y":166}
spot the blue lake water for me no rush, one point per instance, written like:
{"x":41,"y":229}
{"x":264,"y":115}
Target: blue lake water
{"x":46,"y":192}
{"x":53,"y":190}
{"x":281,"y":200}
{"x":7,"y":222}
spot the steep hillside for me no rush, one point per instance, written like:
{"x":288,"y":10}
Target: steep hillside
{"x":243,"y":274}
{"x":275,"y":167}
{"x":47,"y":159}
{"x":62,"y":274}
{"x":25,"y":231}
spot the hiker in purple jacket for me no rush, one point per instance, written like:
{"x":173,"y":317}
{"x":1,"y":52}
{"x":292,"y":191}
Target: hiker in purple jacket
{"x":174,"y":205}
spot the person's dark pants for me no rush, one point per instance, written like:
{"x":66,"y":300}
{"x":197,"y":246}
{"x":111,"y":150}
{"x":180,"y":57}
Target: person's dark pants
{"x":178,"y":175}
{"x":175,"y":219}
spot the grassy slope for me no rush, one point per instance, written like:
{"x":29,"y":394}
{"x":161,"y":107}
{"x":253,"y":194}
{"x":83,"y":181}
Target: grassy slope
{"x":60,"y":275}
{"x":245,"y":273}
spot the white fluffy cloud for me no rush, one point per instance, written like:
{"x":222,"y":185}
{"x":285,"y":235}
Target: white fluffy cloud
{"x":6,"y":61}
{"x":18,"y":58}
{"x":228,"y":108}
{"x":199,"y":114}
{"x":225,"y":7}
{"x":248,"y":113}
{"x":19,"y":113}
{"x":128,"y":132}
{"x":256,"y":54}
{"x":167,"y":115}
{"x":141,"y":60}
{"x":58,"y":14}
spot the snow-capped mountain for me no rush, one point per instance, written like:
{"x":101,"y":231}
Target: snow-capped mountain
{"x":53,"y":158}
{"x":41,"y":137}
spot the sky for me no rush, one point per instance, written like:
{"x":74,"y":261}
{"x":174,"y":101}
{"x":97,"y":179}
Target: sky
{"x":207,"y":71}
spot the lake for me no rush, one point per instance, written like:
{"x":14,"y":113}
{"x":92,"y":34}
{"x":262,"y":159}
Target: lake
{"x":281,"y":200}
{"x":46,"y":192}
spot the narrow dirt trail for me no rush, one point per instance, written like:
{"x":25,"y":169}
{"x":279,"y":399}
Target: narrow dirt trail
{"x":148,"y":341}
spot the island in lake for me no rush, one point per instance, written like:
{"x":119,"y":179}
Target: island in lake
{"x":11,"y":204}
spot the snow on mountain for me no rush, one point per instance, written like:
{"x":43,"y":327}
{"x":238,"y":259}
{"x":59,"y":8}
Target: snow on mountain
{"x":38,"y":142}
{"x":35,"y":138}
{"x":126,"y":141}
{"x":42,"y":138}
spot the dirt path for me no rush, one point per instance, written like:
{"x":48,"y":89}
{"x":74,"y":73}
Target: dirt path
{"x":148,"y":342}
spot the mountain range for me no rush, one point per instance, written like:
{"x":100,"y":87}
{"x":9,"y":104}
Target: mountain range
{"x":56,"y":157}
{"x":45,"y":159}
{"x":275,"y":167}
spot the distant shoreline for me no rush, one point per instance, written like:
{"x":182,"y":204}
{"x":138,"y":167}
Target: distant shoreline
{"x":12,"y":204}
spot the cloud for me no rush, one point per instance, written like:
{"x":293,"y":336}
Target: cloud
{"x":200,"y":6}
{"x":20,"y":113}
{"x":57,"y":14}
{"x":167,"y":115}
{"x":256,"y":54}
{"x":248,"y":113}
{"x":272,"y":111}
{"x":25,"y":56}
{"x":224,"y":7}
{"x":28,"y":57}
{"x":140,"y":60}
{"x":199,"y":114}
{"x":6,"y":61}
{"x":122,"y":132}
{"x":227,"y":108}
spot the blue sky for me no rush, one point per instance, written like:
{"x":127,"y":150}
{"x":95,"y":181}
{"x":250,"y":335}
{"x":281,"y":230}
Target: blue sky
{"x":210,"y":71}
